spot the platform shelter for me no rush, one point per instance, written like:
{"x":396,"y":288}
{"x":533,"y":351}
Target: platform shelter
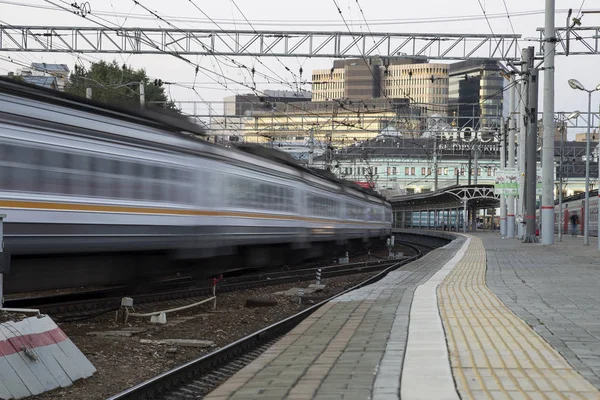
{"x":452,"y":208}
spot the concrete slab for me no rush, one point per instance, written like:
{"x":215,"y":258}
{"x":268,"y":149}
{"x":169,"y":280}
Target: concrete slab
{"x":113,"y":333}
{"x":36,"y":356}
{"x":180,"y":342}
{"x":294,"y":291}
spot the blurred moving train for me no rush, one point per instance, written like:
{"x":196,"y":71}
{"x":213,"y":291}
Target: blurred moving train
{"x":78,"y":176}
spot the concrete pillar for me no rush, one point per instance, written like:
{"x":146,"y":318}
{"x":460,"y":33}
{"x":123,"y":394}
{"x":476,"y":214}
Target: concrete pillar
{"x":457,"y":211}
{"x":465,"y":216}
{"x":514,"y":123}
{"x":502,"y":167}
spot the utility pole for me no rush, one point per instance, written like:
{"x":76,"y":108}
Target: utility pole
{"x":521,"y":158}
{"x":531,"y":147}
{"x":476,"y":163}
{"x":435,"y":163}
{"x":311,"y":148}
{"x":142,"y":94}
{"x":560,"y":177}
{"x":512,"y":125}
{"x":470,"y":155}
{"x":547,"y":205}
{"x":328,"y":151}
{"x":502,"y":167}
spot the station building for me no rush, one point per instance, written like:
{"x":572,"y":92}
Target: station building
{"x":397,"y":165}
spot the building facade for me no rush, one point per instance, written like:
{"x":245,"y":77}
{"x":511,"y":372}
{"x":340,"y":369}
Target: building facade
{"x":397,"y":166}
{"x":244,"y":104}
{"x":424,"y":84}
{"x":476,"y":93}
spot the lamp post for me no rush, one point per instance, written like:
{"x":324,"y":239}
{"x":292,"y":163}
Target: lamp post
{"x":560,"y":171}
{"x":575,"y":84}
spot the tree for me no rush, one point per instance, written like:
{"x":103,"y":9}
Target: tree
{"x":115,"y":84}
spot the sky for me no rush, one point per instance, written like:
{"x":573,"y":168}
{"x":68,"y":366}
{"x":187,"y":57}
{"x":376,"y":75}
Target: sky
{"x":437,"y":16}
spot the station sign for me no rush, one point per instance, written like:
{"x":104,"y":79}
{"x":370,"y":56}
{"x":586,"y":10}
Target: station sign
{"x":507,"y":182}
{"x":468,"y":135}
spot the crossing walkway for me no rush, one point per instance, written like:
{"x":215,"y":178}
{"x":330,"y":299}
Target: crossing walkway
{"x":437,"y":329}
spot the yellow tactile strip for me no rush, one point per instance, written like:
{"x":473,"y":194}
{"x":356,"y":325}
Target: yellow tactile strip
{"x":493,"y":353}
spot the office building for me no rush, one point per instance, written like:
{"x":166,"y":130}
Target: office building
{"x":476,"y":94}
{"x":424,"y":84}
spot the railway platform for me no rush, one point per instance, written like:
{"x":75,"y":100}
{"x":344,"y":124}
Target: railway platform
{"x":481,"y":318}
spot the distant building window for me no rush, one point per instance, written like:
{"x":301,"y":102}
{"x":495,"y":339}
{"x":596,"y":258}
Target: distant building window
{"x":407,"y":171}
{"x":394,"y":171}
{"x":423,"y":171}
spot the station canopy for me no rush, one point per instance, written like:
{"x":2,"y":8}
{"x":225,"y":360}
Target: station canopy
{"x":478,"y":196}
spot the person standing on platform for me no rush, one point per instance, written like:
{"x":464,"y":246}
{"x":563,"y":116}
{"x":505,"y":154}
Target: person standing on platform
{"x":574,"y":223}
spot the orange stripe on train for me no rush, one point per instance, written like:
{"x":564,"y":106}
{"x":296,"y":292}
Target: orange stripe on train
{"x":51,"y":206}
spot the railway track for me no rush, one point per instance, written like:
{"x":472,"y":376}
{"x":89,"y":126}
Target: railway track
{"x":84,"y":305}
{"x":195,"y":379}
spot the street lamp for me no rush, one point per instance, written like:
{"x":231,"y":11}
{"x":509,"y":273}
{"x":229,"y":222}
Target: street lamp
{"x":560,"y":169}
{"x":575,"y":84}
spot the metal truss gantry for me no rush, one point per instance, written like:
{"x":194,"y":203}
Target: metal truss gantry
{"x":575,"y":41}
{"x":257,"y":43}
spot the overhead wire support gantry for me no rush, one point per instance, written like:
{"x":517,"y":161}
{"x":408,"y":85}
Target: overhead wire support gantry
{"x":258,"y":43}
{"x":575,"y":40}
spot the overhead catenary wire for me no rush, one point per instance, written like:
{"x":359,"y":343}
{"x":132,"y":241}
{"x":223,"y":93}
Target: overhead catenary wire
{"x":510,"y":22}
{"x":214,"y":53}
{"x":222,"y":30}
{"x":311,"y":23}
{"x":255,"y":31}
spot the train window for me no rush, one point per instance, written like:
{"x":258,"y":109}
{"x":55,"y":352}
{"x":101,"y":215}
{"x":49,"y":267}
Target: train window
{"x":103,"y":165}
{"x":28,"y":155}
{"x":53,"y":181}
{"x":138,"y":170}
{"x":79,"y":184}
{"x":80,"y":162}
{"x":322,"y":206}
{"x":27,"y":179}
{"x":53,"y":159}
{"x":7,"y":177}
